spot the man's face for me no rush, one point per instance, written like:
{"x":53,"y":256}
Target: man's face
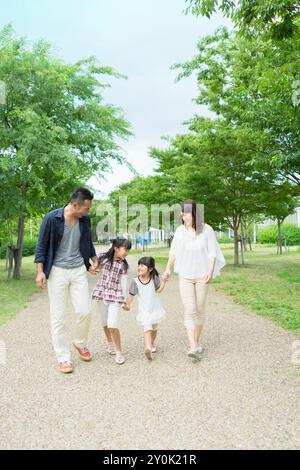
{"x":81,"y":209}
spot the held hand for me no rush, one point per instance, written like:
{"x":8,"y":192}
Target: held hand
{"x":166,"y":275}
{"x":207,"y":278}
{"x":125,"y":307}
{"x":94,"y":268}
{"x":41,"y":280}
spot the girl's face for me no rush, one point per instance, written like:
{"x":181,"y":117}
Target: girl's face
{"x":121,"y":252}
{"x":187,"y":218}
{"x":143,"y":270}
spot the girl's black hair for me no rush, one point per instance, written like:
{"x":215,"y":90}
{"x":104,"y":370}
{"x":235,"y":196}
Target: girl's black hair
{"x":150,"y":263}
{"x":116,"y":243}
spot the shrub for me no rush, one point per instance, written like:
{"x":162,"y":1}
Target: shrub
{"x":28,"y":248}
{"x":290,"y":232}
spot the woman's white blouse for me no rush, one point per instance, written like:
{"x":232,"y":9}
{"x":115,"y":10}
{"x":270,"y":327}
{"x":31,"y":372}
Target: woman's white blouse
{"x":193,"y":252}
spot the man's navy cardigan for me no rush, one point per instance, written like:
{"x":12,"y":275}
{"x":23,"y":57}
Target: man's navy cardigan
{"x":50,"y":236}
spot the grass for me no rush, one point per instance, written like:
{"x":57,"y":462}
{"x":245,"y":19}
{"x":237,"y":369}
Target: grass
{"x":268,"y":284}
{"x":14,"y":294}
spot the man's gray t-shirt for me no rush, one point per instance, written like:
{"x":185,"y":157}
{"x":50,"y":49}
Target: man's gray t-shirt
{"x":68,"y":254}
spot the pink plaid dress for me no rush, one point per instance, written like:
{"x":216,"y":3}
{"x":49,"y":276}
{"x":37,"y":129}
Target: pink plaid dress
{"x":108,"y":287}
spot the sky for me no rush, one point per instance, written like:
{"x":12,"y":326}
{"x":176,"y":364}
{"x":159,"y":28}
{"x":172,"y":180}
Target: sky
{"x":141,"y":39}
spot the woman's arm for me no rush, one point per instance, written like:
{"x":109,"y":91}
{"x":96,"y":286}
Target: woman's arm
{"x":212,"y":254}
{"x":167,"y":273}
{"x":161,"y":287}
{"x":209,"y":274}
{"x":171,"y":259}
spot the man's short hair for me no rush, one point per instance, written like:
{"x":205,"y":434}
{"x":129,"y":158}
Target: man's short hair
{"x":81,"y":194}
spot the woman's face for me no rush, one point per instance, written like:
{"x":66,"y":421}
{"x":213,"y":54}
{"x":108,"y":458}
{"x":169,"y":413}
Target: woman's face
{"x":121,"y":252}
{"x":187,"y":218}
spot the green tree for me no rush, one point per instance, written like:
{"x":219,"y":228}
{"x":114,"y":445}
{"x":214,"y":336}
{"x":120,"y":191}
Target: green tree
{"x":214,"y":164}
{"x":277,"y":18}
{"x":250,"y":84}
{"x":55,"y":129}
{"x":148,"y":191}
{"x":283,"y":202}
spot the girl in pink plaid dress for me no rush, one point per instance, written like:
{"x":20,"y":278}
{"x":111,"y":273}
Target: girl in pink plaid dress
{"x":110,"y":291}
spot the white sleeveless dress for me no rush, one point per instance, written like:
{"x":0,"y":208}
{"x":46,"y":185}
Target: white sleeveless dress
{"x":150,"y":310}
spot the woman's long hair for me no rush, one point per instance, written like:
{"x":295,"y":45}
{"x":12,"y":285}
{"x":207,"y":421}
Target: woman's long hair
{"x":116,"y":243}
{"x":150,"y":263}
{"x":190,"y":207}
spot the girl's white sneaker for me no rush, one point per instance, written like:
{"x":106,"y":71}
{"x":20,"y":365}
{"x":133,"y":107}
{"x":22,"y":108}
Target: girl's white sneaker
{"x":193,"y":353}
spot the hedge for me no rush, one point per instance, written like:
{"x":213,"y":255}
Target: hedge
{"x":290,"y":232}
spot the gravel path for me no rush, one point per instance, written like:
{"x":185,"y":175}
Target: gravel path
{"x":243,"y":394}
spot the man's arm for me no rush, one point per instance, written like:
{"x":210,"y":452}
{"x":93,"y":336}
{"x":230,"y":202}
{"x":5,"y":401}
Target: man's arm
{"x":94,"y":268}
{"x":40,"y":276}
{"x":40,"y":252}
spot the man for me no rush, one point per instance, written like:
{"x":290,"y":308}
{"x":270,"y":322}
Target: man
{"x":62,"y":257}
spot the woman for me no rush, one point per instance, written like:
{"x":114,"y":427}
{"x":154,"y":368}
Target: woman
{"x":198,"y":259}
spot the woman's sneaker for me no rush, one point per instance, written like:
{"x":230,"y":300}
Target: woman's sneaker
{"x":120,"y":359}
{"x":111,"y":349}
{"x":201,"y":349}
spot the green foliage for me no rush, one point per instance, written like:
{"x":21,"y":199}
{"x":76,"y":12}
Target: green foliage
{"x":214,"y":164}
{"x":55,"y":129}
{"x":224,"y":239}
{"x":290,"y":232}
{"x":29,"y":246}
{"x":249,"y":82}
{"x":275,"y":18}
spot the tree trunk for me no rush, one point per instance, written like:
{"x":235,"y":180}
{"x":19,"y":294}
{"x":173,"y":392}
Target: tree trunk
{"x":242,"y":249}
{"x":19,"y":250}
{"x":236,"y":245}
{"x":244,"y":238}
{"x":279,"y":236}
{"x":250,"y":244}
{"x":10,"y":259}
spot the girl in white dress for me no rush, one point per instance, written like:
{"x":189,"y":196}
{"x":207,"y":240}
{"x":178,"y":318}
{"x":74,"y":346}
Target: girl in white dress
{"x":146,"y":286}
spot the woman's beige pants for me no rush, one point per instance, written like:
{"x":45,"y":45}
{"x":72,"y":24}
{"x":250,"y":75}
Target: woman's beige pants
{"x":193,"y":293}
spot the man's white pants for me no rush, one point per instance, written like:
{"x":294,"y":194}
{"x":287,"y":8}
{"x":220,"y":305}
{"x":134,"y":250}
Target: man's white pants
{"x":60,"y":282}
